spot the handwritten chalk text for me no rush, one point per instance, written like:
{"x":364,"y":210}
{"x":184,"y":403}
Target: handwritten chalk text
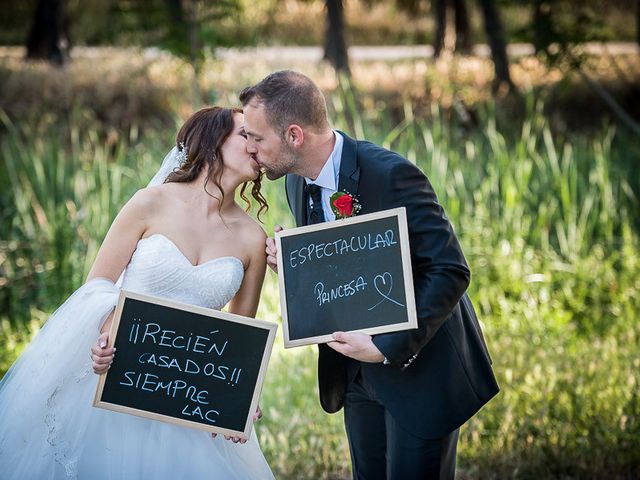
{"x":341,"y":291}
{"x":154,"y":333}
{"x":318,"y":251}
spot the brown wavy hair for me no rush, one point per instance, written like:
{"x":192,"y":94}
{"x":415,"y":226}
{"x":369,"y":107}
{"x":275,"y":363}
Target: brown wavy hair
{"x":203,"y":135}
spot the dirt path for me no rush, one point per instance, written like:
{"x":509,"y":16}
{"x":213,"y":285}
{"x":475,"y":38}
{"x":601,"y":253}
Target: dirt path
{"x":356,"y":53}
{"x":401,"y":52}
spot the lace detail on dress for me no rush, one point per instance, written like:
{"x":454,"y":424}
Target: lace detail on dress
{"x":159,"y":268}
{"x":61,"y":448}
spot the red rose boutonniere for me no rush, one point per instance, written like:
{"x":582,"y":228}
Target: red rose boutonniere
{"x":344,"y":205}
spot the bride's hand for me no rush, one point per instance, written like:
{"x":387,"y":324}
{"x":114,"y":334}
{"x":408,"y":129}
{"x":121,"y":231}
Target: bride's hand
{"x":101,"y":356}
{"x":256,"y":416}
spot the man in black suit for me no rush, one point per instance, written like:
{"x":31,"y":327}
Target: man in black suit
{"x":406,"y":393}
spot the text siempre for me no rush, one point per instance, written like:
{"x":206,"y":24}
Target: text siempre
{"x":199,"y":355}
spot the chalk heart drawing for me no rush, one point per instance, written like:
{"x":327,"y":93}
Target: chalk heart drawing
{"x":380,"y":283}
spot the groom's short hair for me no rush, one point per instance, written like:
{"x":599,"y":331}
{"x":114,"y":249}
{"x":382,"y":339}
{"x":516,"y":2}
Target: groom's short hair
{"x":289,"y":97}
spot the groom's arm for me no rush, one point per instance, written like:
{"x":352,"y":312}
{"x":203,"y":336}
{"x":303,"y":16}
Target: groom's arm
{"x":440,"y":272}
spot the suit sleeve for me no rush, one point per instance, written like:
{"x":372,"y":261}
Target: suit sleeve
{"x":440,"y":272}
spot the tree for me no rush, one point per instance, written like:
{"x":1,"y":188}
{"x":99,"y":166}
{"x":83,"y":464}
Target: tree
{"x":443,"y":10}
{"x":495,"y":35}
{"x":48,"y":37}
{"x":335,"y":47}
{"x":183,"y":39}
{"x":542,"y":25}
{"x":559,"y":27}
{"x":492,"y":26}
{"x":186,"y":28}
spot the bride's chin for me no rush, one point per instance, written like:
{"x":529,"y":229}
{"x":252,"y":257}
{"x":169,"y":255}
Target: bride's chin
{"x":255,"y":176}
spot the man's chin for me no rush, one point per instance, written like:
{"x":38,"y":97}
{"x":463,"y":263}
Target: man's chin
{"x":274,"y":175}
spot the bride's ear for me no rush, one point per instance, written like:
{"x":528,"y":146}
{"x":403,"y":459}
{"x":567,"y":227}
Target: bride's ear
{"x":295,"y":135}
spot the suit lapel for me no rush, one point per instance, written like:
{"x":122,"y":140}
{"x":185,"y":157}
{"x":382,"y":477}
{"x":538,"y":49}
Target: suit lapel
{"x":349,"y":176}
{"x":348,"y":180}
{"x":297,"y":198}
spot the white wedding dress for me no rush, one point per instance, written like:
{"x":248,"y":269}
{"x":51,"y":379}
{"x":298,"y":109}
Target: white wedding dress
{"x":48,"y":426}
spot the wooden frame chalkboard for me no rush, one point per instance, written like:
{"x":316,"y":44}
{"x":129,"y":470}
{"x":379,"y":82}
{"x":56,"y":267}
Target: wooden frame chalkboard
{"x":348,"y":275}
{"x":186,"y":365}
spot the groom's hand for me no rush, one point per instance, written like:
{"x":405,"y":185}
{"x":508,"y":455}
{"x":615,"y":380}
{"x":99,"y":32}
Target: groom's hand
{"x":272,"y":250}
{"x":356,"y":345}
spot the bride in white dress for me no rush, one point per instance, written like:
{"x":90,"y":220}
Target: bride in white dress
{"x":185,"y":239}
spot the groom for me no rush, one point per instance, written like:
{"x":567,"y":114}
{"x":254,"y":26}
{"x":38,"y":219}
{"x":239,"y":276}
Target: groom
{"x":405,"y":394}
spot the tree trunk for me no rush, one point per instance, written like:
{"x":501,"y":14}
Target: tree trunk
{"x":176,"y":13}
{"x":444,"y":9}
{"x":335,"y":47}
{"x":463,"y":31}
{"x":48,"y":38}
{"x":638,"y":21}
{"x":495,"y":35}
{"x":184,"y":28}
{"x":440,"y":7}
{"x":542,"y":25}
{"x":195,"y":50}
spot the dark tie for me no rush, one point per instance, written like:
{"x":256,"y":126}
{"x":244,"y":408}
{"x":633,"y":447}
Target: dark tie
{"x":330,"y":363}
{"x":315,"y":214}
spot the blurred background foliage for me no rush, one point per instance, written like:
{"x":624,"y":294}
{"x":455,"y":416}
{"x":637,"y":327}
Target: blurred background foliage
{"x":300,"y":22}
{"x":540,"y":181}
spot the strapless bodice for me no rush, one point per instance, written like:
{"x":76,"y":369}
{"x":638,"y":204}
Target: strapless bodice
{"x":159,"y":268}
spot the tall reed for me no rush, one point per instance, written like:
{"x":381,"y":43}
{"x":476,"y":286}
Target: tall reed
{"x":549,"y":226}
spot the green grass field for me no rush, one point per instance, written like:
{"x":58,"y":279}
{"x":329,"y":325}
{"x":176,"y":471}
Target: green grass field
{"x":549,"y":225}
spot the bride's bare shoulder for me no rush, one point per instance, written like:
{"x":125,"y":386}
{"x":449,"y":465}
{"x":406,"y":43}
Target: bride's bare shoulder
{"x":251,"y":230}
{"x":150,"y":199}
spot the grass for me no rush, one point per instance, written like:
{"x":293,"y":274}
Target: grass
{"x":549,"y":224}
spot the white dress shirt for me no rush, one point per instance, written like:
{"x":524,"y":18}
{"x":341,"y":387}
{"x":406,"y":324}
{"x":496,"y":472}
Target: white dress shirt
{"x":328,"y":178}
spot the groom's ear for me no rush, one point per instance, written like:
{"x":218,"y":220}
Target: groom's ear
{"x":295,"y":135}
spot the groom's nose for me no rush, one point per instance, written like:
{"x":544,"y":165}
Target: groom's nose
{"x":251,"y":146}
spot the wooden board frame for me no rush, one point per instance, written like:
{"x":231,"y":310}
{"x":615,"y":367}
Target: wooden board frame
{"x":271,"y":327}
{"x":412,"y":320}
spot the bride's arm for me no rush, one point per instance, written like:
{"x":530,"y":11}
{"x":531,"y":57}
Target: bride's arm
{"x":123,"y":235}
{"x":113,"y":256}
{"x":246,"y":300}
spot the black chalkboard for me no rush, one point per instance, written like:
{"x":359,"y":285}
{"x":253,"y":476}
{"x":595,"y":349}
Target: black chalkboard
{"x":184,"y":364}
{"x":346,"y":275}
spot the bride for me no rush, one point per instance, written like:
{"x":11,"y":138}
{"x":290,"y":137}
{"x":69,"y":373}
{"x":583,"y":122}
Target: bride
{"x":183,"y":238}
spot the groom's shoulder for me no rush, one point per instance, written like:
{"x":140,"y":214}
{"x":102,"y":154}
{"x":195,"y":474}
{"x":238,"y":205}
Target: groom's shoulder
{"x":374,"y":156}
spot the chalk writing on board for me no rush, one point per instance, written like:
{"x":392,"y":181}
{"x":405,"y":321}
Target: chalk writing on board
{"x":341,"y":246}
{"x":153,"y":332}
{"x":341,"y":291}
{"x":185,"y":364}
{"x":383,"y":285}
{"x":351,"y":275}
{"x":204,"y":359}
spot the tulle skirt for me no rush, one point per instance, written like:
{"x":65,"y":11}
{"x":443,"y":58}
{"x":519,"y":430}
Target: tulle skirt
{"x":50,"y":430}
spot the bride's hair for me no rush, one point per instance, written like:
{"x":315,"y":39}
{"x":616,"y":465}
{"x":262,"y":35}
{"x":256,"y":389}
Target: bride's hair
{"x":201,"y":138}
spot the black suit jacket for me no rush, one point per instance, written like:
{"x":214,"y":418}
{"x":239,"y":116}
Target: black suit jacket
{"x":440,"y":373}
